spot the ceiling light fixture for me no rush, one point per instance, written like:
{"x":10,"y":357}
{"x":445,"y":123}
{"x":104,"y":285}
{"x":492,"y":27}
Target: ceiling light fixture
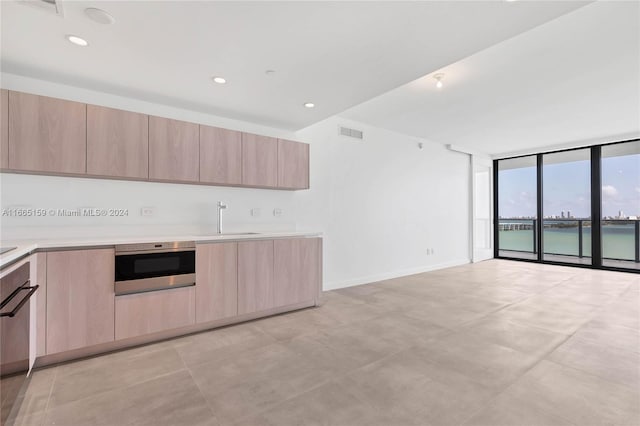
{"x":219,"y":80}
{"x":309,"y":105}
{"x":99,"y":16}
{"x":438,"y":78}
{"x":78,"y":41}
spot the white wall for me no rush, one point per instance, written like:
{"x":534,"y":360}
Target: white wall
{"x":178,"y":209}
{"x":381,"y":202}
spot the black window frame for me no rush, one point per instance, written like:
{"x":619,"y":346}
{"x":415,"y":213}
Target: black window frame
{"x":596,"y":210}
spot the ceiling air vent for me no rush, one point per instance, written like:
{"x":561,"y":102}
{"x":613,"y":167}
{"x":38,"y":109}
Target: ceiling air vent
{"x":53,"y":6}
{"x":352,"y":133}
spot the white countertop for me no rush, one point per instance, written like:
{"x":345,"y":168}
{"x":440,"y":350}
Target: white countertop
{"x":26,"y":247}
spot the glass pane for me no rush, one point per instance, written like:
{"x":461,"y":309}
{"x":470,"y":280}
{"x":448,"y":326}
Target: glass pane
{"x":517,"y":210}
{"x":566,"y":192}
{"x":621,"y":205}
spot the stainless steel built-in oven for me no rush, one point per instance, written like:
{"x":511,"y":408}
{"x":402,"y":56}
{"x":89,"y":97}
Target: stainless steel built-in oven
{"x":154,"y":266}
{"x":15,"y":292}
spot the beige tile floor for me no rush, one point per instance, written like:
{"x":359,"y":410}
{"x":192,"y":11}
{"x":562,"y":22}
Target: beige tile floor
{"x":494,"y":343}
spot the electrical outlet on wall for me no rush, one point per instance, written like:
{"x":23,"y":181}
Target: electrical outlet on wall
{"x":147,"y":211}
{"x":277,"y":212}
{"x":255,"y":212}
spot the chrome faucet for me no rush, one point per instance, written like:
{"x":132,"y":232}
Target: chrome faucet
{"x":221,"y":206}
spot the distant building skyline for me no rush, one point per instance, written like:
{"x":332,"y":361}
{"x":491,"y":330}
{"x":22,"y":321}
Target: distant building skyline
{"x":567,"y":190}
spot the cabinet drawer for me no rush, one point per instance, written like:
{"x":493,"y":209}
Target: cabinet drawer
{"x":146,"y":313}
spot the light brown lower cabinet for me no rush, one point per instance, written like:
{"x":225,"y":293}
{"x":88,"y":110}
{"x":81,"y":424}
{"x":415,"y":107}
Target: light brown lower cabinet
{"x":217,"y":281}
{"x":297,"y":263}
{"x":232,"y":279}
{"x":255,"y":276}
{"x":154,"y":311}
{"x":278,"y":273}
{"x":14,"y":331}
{"x":80,"y":299}
{"x":39,"y":274}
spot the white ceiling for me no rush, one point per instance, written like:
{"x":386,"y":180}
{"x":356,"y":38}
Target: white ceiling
{"x":336,"y":54}
{"x":574,"y":79}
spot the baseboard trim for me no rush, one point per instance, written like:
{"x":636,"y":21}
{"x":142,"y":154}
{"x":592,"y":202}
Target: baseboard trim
{"x":117,"y":345}
{"x":390,"y":275}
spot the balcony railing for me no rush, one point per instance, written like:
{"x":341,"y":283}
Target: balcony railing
{"x":572,"y":237}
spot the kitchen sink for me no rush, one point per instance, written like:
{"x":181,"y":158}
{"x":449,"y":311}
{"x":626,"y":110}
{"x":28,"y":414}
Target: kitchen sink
{"x":213,"y":234}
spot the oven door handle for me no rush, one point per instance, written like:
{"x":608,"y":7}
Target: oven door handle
{"x":19,"y":306}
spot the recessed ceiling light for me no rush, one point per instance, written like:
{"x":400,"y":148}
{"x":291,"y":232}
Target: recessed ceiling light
{"x":78,"y":41}
{"x":219,"y":80}
{"x":439,"y":78}
{"x":309,"y":105}
{"x":99,"y":16}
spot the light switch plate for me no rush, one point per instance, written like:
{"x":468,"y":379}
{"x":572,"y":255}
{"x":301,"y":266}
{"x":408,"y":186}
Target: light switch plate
{"x":255,"y":212}
{"x":277,"y":212}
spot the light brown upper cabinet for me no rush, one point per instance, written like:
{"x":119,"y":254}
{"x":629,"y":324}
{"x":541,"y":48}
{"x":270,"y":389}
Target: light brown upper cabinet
{"x":259,"y":160}
{"x":220,"y":156}
{"x":80,"y":299}
{"x":216,"y":281}
{"x":53,"y":136}
{"x":117,"y":143}
{"x":173,"y":150}
{"x":255,"y":276}
{"x":293,"y":165}
{"x":47,"y":134}
{"x":297,"y":270}
{"x":4,"y":129}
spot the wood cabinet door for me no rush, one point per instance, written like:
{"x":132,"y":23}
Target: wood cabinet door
{"x":39,"y":277}
{"x":173,"y":150}
{"x":255,"y":276}
{"x":80,"y":299}
{"x":216,"y":281}
{"x":298,"y":272}
{"x":117,"y":143}
{"x":220,"y":156}
{"x":4,"y":129}
{"x":293,"y":164}
{"x":154,"y":311}
{"x":14,"y":352}
{"x":47,"y":134}
{"x":259,"y":160}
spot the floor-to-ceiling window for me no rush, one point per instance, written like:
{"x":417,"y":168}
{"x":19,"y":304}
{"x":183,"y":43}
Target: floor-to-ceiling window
{"x":621,"y":205}
{"x":517,"y":211}
{"x":566,"y":207}
{"x":579,"y":206}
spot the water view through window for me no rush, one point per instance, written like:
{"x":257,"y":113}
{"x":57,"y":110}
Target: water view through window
{"x":566,"y":224}
{"x":566,"y":183}
{"x":517,"y":207}
{"x":621,"y":204}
